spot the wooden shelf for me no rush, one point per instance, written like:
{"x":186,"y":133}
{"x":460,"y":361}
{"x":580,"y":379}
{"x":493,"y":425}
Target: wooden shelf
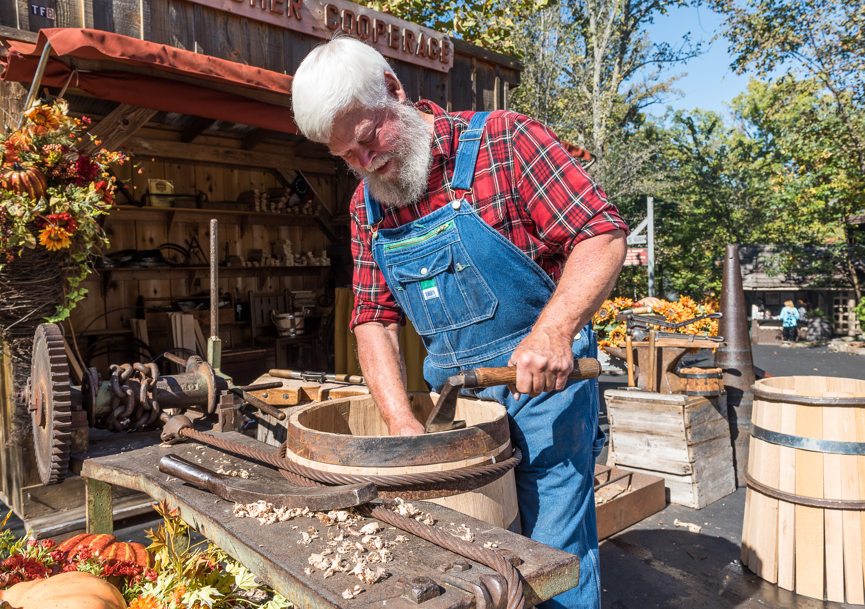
{"x":191,"y":273}
{"x":170,"y":215}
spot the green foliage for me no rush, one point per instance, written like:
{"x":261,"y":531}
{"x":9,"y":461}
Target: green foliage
{"x":486,"y":23}
{"x":859,"y":309}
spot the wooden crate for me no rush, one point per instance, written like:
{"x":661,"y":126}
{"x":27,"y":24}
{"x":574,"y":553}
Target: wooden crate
{"x":683,"y":439}
{"x":645,"y":497}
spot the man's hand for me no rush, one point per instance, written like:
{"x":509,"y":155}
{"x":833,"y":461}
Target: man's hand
{"x":383,"y":368}
{"x":544,"y":360}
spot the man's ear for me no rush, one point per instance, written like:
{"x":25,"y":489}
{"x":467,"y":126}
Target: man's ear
{"x":394,"y":88}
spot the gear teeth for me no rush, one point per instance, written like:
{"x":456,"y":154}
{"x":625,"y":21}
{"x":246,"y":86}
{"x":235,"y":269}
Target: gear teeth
{"x":50,"y":369}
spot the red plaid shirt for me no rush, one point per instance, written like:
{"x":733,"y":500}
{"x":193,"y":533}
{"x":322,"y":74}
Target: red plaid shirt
{"x":526,"y":186}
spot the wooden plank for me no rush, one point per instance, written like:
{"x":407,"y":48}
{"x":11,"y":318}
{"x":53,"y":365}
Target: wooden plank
{"x":116,"y":128}
{"x":850,"y":490}
{"x":139,"y":330}
{"x":100,"y":511}
{"x":8,"y":14}
{"x":68,"y":14}
{"x":209,"y":179}
{"x":75,"y":367}
{"x":229,"y":156}
{"x":198,"y":126}
{"x":786,"y":510}
{"x":833,"y":519}
{"x":200,"y":341}
{"x":809,"y":520}
{"x":43,"y":16}
{"x":127,"y":18}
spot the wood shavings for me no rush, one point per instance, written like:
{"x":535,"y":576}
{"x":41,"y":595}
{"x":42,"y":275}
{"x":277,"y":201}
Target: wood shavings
{"x":240,"y":473}
{"x":464,"y":533}
{"x":337,"y":517}
{"x":308,"y":571}
{"x":694,"y":528}
{"x":608,"y":493}
{"x":401,"y":539}
{"x":308,"y":536}
{"x":367,"y":575}
{"x":319,"y":561}
{"x":374,"y":541}
{"x":491,"y":545}
{"x":335,"y":538}
{"x":370,"y":529}
{"x":350,"y":594}
{"x":407,"y":509}
{"x":265,"y":512}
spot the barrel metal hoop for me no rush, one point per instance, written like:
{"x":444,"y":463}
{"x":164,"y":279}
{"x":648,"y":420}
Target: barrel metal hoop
{"x":701,"y":375}
{"x":810,"y":444}
{"x":704,"y":394}
{"x":804,"y":400}
{"x":832,"y":504}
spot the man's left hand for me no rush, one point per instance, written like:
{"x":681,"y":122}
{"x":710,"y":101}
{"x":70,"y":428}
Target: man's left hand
{"x":544,"y":359}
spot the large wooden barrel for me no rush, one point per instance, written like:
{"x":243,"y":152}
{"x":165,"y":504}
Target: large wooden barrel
{"x":349,"y":436}
{"x":804,"y":525}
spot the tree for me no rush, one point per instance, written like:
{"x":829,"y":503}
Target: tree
{"x":811,"y":164}
{"x":486,"y":23}
{"x":590,"y":71}
{"x":818,"y":40}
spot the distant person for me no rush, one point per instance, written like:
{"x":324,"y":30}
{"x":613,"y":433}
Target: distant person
{"x":801,"y":307}
{"x":790,"y":320}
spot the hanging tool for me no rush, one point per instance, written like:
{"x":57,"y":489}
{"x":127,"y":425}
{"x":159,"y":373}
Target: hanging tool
{"x":442,"y":416}
{"x":243,"y":490}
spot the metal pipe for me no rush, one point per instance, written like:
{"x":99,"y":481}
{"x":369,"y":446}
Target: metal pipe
{"x":37,"y":81}
{"x":214,"y":278}
{"x":176,"y":359}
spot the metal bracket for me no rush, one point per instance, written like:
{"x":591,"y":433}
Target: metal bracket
{"x":490,"y":590}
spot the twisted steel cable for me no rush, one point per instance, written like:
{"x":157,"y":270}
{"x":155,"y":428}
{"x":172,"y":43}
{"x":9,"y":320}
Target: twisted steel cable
{"x":305,"y":476}
{"x":492,"y":471}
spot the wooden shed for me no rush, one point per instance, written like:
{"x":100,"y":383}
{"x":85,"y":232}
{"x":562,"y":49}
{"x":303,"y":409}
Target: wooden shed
{"x":142,"y":71}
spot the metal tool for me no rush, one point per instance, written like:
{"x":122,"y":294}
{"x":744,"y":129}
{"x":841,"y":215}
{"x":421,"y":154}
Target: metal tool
{"x":318,"y":377}
{"x":442,"y":416}
{"x":244,"y":490}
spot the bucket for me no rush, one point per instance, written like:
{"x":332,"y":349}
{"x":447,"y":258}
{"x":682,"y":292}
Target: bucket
{"x":706,"y":382}
{"x":349,"y":436}
{"x":288,"y":325}
{"x":804,"y":526}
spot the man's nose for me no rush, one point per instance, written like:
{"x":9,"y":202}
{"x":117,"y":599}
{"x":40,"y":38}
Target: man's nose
{"x":364,"y":157}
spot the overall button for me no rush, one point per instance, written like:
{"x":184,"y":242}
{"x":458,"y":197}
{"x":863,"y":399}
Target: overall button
{"x":424,"y":271}
{"x":455,"y":204}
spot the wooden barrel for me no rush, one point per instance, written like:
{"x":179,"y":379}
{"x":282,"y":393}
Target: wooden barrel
{"x":349,"y":436}
{"x":706,"y":382}
{"x":804,"y":525}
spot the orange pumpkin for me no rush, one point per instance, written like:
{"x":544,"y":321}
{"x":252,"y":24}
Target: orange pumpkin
{"x":73,"y":590}
{"x":25,"y":180}
{"x":106,"y":547}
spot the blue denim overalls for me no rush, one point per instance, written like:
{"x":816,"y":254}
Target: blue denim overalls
{"x":472,"y":295}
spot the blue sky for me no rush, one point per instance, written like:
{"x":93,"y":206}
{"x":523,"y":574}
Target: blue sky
{"x":708,"y":82}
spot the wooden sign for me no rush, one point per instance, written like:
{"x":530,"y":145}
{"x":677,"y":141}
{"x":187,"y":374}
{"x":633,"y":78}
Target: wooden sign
{"x":637,"y":256}
{"x":390,"y":36}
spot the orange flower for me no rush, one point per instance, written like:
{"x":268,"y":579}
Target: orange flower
{"x":54,"y":238}
{"x":44,"y":119}
{"x":145,"y":602}
{"x":177,"y":595}
{"x":21,"y":140}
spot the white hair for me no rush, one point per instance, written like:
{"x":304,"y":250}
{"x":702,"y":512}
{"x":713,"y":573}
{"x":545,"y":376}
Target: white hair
{"x":336,"y":76}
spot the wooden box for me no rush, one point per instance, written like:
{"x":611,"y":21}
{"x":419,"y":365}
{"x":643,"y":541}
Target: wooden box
{"x":618,"y":510}
{"x":683,"y":439}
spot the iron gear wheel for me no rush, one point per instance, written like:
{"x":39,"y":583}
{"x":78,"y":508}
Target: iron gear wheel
{"x":50,"y":404}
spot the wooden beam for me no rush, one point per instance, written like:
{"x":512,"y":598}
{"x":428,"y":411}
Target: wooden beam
{"x":255,"y":137}
{"x":228,"y":156}
{"x":113,"y":130}
{"x":196,"y":128}
{"x":310,"y":148}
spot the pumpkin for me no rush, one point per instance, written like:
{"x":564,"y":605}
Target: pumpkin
{"x":73,"y":590}
{"x":24,"y":179}
{"x":106,"y":547}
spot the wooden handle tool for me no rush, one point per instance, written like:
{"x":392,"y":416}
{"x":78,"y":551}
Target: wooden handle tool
{"x":442,"y":416}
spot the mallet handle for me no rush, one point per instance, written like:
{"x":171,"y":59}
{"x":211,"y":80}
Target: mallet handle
{"x":585,"y":368}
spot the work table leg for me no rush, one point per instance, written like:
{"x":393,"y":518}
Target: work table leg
{"x":100,"y":509}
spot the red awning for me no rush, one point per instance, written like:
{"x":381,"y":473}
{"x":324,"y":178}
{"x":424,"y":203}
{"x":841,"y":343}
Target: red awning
{"x":152,"y":91}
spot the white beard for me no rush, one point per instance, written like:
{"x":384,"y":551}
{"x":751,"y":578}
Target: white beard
{"x":408,"y":179}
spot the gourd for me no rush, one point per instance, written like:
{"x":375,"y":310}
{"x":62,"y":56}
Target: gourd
{"x":106,"y":547}
{"x":24,"y":179}
{"x":73,"y":590}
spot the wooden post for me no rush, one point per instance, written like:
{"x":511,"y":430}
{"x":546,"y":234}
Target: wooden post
{"x":100,"y":508}
{"x":629,"y":346}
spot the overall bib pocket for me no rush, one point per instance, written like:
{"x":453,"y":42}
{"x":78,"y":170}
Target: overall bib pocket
{"x":442,"y":290}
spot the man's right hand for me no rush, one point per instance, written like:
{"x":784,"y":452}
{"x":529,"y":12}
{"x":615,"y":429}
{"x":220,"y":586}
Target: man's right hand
{"x":381,"y":360}
{"x":405,"y":427}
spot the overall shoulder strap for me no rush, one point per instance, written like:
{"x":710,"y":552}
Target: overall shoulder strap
{"x":467,"y":152}
{"x":373,"y":207}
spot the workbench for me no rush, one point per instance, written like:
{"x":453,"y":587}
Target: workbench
{"x":273,"y":553}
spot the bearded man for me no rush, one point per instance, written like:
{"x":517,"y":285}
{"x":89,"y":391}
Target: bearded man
{"x":483,"y":230}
